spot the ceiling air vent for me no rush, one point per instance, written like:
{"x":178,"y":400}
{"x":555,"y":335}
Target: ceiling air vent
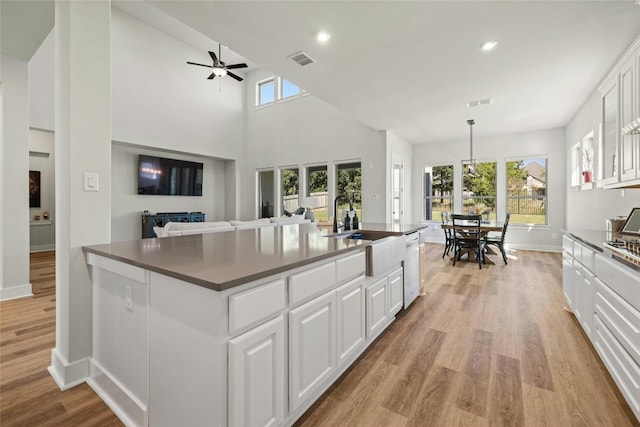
{"x":479,"y":102}
{"x":301,"y":59}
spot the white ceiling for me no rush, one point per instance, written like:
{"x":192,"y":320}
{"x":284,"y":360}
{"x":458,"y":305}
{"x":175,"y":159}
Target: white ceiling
{"x":407,"y":67}
{"x":410,"y":67}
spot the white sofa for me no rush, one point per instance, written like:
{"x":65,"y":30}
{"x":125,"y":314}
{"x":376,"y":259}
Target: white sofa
{"x":185,"y":228}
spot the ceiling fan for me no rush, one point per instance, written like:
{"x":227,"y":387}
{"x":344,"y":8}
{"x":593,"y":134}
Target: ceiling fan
{"x":220,"y":68}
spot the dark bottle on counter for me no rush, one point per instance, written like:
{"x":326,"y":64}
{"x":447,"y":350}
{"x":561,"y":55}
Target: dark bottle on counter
{"x":347,"y":222}
{"x":354,"y":221}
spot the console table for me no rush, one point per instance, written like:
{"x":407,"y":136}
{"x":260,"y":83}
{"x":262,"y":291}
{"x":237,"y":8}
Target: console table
{"x":161,"y":218}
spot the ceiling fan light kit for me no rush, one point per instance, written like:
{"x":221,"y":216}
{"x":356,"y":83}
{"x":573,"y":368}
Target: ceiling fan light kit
{"x":220,"y":69}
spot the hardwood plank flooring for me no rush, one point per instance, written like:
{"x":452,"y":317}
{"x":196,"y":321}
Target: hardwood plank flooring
{"x":490,"y":347}
{"x":28,"y":394}
{"x":506,"y":354}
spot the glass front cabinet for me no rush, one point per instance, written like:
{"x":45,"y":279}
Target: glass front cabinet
{"x":618,"y":151}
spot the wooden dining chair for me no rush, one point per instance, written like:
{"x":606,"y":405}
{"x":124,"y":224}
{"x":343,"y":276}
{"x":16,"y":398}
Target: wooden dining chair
{"x":499,"y":240}
{"x":448,"y":234}
{"x":468,"y":237}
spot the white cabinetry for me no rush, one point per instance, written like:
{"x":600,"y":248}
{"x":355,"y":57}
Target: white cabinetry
{"x":396,"y":292}
{"x":312,"y":344}
{"x":376,"y":307}
{"x":256,"y":376}
{"x":617,"y":326}
{"x":605,"y":297}
{"x":619,"y":152}
{"x":351,"y":319}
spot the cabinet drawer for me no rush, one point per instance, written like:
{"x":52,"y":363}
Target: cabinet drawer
{"x":307,"y":284}
{"x":567,"y":244}
{"x":584,"y":255}
{"x":350,"y":267}
{"x":255,"y":305}
{"x":622,"y":320}
{"x":624,"y":370}
{"x":623,"y":281}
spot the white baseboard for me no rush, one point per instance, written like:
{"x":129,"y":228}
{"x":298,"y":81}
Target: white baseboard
{"x":118,"y":398}
{"x":15,"y":292}
{"x":65,"y":374}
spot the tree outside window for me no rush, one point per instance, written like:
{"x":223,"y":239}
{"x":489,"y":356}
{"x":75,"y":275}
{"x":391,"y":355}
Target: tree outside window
{"x":527,"y":191}
{"x":317,"y":192}
{"x":438,"y":187}
{"x":290,"y":197}
{"x":349,"y":180}
{"x":479,"y":190}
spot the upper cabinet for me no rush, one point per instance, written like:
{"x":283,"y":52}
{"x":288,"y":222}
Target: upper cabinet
{"x":618,"y":152}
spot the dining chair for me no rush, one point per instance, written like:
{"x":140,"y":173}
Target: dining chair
{"x":499,"y":240}
{"x":448,"y":234}
{"x":468,"y":237}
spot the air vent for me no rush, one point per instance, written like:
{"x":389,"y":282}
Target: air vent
{"x":301,"y":59}
{"x":479,"y":102}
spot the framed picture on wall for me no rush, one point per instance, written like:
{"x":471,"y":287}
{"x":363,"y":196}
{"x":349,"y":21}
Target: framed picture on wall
{"x":34,"y":189}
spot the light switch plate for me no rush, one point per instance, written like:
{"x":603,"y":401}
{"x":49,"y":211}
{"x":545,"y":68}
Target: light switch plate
{"x":90,"y":181}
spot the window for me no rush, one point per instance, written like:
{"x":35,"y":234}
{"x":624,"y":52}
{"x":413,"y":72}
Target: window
{"x":317,"y":192}
{"x":438,"y":191}
{"x":288,"y":89}
{"x":527,"y":191}
{"x":349,"y":181}
{"x":266,"y":91}
{"x":479,"y":190}
{"x":289,"y":189}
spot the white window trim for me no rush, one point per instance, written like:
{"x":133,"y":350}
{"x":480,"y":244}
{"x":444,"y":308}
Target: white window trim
{"x":518,"y":225}
{"x":424,"y":197}
{"x":280,"y":97}
{"x":273,"y":79}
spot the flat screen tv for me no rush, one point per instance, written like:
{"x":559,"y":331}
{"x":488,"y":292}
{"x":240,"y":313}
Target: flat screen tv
{"x":169,"y":177}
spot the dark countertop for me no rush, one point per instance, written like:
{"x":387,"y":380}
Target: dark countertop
{"x":595,"y":239}
{"x":223,"y":260}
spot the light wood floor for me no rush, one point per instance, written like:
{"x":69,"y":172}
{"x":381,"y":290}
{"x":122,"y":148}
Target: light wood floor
{"x":490,"y":347}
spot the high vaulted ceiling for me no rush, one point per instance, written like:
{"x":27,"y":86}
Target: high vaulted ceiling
{"x":410,"y":67}
{"x":407,"y":67}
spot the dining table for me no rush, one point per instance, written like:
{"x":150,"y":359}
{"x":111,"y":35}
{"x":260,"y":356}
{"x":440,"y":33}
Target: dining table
{"x":485,"y":228}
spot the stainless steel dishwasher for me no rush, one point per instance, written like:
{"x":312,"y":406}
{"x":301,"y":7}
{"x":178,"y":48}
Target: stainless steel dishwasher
{"x":411,"y":270}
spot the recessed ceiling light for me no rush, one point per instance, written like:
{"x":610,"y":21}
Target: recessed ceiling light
{"x":488,"y":45}
{"x":323,"y":36}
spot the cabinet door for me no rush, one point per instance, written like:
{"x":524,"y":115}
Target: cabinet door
{"x":627,"y":115}
{"x":376,"y":307}
{"x":351,"y":318}
{"x":396,"y":292}
{"x":577,"y":290}
{"x":256,"y":376}
{"x":608,"y":149}
{"x":312,"y":347}
{"x":567,"y":279}
{"x":583,"y":297}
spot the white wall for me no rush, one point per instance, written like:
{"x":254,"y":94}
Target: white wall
{"x":160,"y":101}
{"x":588,"y":209}
{"x":127,"y":205}
{"x":549,"y":143}
{"x":306,"y":130}
{"x":401,"y":151}
{"x":41,"y":85}
{"x":15,"y":166}
{"x":41,"y":158}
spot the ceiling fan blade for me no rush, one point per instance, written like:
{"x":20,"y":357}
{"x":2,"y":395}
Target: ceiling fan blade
{"x":202,"y":65}
{"x":212,"y":76}
{"x":232,"y":66}
{"x":238,"y":78}
{"x":214,"y":57}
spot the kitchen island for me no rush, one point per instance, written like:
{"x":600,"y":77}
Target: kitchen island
{"x":239,"y":328}
{"x":602,"y":287}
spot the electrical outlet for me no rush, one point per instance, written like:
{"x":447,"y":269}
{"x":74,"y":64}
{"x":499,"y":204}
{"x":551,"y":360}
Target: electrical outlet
{"x":554,"y":235}
{"x":128,"y":297}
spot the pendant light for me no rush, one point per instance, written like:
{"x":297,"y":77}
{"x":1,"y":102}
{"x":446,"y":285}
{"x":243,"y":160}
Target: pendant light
{"x":469,"y":165}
